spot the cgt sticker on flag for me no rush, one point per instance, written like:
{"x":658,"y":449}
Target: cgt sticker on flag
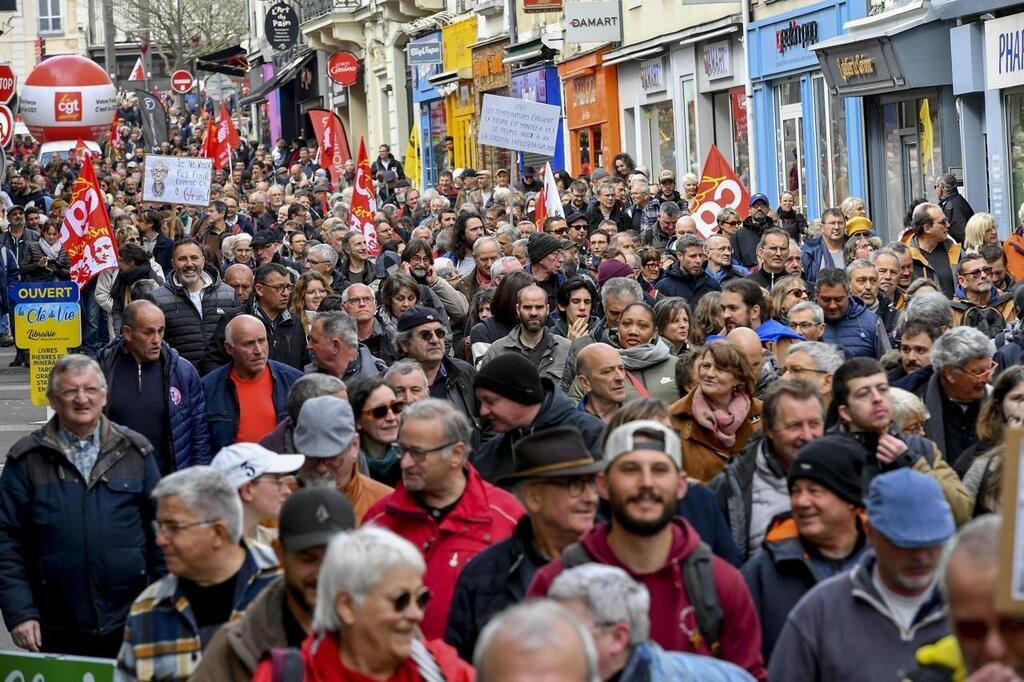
{"x":719,"y":188}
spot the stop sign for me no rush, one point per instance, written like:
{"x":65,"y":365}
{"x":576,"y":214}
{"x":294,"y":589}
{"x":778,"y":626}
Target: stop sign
{"x":7,"y":83}
{"x":182,"y":81}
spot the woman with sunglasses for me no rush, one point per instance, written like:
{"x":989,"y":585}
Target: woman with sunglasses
{"x":376,"y":409}
{"x":786,"y":293}
{"x":370,"y":604}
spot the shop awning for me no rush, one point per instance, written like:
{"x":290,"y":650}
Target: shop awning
{"x":654,"y":46}
{"x":279,"y":79}
{"x":903,"y":49}
{"x":231,"y":61}
{"x":443,"y":78}
{"x":528,"y":51}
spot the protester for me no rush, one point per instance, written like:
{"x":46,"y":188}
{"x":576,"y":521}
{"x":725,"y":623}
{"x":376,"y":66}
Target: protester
{"x":264,"y":480}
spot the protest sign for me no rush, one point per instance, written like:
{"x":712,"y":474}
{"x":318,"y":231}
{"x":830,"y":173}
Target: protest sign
{"x":21,"y":666}
{"x":49,"y":322}
{"x":177,"y":180}
{"x":519,"y":124}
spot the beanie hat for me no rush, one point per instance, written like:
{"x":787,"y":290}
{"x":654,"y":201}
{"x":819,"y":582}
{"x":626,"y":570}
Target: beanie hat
{"x":612,"y":268}
{"x":541,"y":244}
{"x":836,"y":462}
{"x":511,"y":376}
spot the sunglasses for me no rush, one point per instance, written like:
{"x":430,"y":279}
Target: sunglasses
{"x":381,"y":411}
{"x":427,"y":334}
{"x":402,"y":602}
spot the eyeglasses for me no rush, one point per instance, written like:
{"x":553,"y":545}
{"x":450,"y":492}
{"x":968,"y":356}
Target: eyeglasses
{"x":984,"y":374}
{"x":975,"y":274}
{"x":402,"y":602}
{"x":575,"y":486}
{"x":797,"y":371}
{"x":427,"y":334}
{"x":418,"y":454}
{"x":802,"y":325}
{"x":310,"y":261}
{"x":172,"y":528}
{"x":71,"y":393}
{"x":360,"y":300}
{"x":381,"y":411}
{"x":733,"y":222}
{"x":279,"y":288}
{"x":559,"y":231}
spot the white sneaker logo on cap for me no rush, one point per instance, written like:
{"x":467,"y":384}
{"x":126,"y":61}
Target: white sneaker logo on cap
{"x":321,"y":514}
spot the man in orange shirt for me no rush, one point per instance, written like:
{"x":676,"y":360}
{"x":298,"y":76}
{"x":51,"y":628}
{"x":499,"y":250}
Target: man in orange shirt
{"x":245,"y":399}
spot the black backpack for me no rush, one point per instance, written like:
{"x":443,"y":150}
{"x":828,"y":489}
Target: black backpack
{"x":699,"y":581}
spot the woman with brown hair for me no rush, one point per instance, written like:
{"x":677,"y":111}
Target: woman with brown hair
{"x":717,"y":418}
{"x":981,"y":464}
{"x":310,"y":291}
{"x":786,"y":293}
{"x":676,"y":325}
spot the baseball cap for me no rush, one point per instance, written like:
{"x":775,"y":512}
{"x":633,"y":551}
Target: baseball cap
{"x":325,"y":428}
{"x":415,"y":316}
{"x":312,"y":516}
{"x":244,"y":462}
{"x":759,"y":197}
{"x":666,"y":175}
{"x":262,"y":238}
{"x":652,"y":436}
{"x":468,"y":173}
{"x":909,"y":509}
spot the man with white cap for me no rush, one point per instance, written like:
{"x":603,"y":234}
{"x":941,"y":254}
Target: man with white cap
{"x":262,"y":479}
{"x":326,"y":435}
{"x":703,"y":605}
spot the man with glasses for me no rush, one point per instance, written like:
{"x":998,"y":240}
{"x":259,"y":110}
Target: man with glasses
{"x":555,"y":480}
{"x":212,"y":577}
{"x":322,"y":258}
{"x":358,"y":301}
{"x":442,"y":505}
{"x":236,"y":222}
{"x":720,"y":266}
{"x":808,"y":320}
{"x":285,"y":334}
{"x":826,"y":250}
{"x":421,"y":337}
{"x":297,"y":245}
{"x":263,"y":480}
{"x":932,"y":250}
{"x":77,"y":548}
{"x":981,"y":305}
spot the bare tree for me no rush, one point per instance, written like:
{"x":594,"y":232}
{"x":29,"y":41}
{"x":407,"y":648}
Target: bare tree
{"x":181,"y":30}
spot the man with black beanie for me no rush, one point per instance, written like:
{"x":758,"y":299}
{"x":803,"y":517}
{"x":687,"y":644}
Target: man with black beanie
{"x":822,"y":537}
{"x":546,"y":255}
{"x":517,"y":402}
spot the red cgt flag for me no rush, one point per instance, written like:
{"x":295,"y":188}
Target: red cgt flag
{"x":719,"y":188}
{"x":86,"y":233}
{"x":364,"y":202}
{"x":330,"y":135}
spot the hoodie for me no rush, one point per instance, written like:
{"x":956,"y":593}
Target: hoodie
{"x":673,"y":622}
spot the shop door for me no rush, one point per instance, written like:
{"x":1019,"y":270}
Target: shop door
{"x":791,"y":152}
{"x":910,"y":164}
{"x":913,"y":154}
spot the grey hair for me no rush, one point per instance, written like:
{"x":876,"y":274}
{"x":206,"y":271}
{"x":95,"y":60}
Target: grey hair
{"x":690,"y":177}
{"x":687,"y":241}
{"x":355,"y":562}
{"x":455,"y":425}
{"x":930,"y":307}
{"x":621,"y":287}
{"x":886,"y":251}
{"x":858,"y":264}
{"x":325,"y":251}
{"x":205,"y":492}
{"x":520,"y":243}
{"x":817,"y":314}
{"x":610,"y":596}
{"x":498,"y":267}
{"x":979,"y":539}
{"x":670,"y":209}
{"x":827,"y":357}
{"x":229,"y":328}
{"x":958,"y":346}
{"x":402,"y":368}
{"x":897,"y":247}
{"x":725,"y":214}
{"x":75,"y":363}
{"x":947,"y":182}
{"x":227,"y":247}
{"x":501,"y":195}
{"x":311,"y":386}
{"x":532,"y":627}
{"x":510,"y":232}
{"x":640,"y":183}
{"x":478,"y":244}
{"x":339,"y":325}
{"x":905,"y":405}
{"x":345,"y":294}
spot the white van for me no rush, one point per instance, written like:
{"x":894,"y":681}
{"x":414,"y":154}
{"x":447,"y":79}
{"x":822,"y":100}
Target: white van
{"x":63,"y":148}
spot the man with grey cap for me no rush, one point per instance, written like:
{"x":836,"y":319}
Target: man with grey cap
{"x":281,"y":616}
{"x":555,"y":481}
{"x":703,"y":604}
{"x":866,"y":624}
{"x":263,"y":480}
{"x":326,"y":435}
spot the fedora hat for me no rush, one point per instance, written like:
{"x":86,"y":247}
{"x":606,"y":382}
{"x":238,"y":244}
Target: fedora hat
{"x":557,"y":452}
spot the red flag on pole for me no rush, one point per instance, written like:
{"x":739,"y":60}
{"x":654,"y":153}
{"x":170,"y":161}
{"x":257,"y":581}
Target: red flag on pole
{"x":225,"y":139}
{"x":115,"y":131}
{"x":364,"y":202}
{"x":719,"y":188}
{"x":86,"y":233}
{"x":330,"y":135}
{"x":232,"y":132}
{"x":138,"y":72}
{"x":209,"y":140}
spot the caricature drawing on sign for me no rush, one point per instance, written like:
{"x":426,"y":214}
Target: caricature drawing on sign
{"x":158,"y":171}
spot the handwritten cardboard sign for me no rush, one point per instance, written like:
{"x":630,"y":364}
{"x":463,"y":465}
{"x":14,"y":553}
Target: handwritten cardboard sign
{"x":177,"y":180}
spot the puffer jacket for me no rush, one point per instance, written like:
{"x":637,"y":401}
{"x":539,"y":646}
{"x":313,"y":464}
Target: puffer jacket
{"x":54,"y":524}
{"x":814,"y":255}
{"x":991,"y":319}
{"x":677,"y":282}
{"x":703,"y":457}
{"x":186,"y":402}
{"x":793,"y":222}
{"x":188,"y":333}
{"x":494,"y":459}
{"x":222,"y":400}
{"x":859,"y":333}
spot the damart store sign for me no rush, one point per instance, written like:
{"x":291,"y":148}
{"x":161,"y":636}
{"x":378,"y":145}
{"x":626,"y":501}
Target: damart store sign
{"x":1004,"y":52}
{"x":599,"y":21}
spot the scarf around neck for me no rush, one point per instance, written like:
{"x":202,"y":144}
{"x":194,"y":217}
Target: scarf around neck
{"x":51,"y":251}
{"x":646,"y":355}
{"x":723,"y":424}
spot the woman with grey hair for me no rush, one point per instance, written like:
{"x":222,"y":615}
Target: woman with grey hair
{"x":370,"y":600}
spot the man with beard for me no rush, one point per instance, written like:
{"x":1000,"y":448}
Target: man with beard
{"x":554,"y":478}
{"x":442,"y":505}
{"x":745,"y":241}
{"x":642,"y":482}
{"x":976,"y":302}
{"x":532,"y":338}
{"x":890,"y":599}
{"x":282,"y":615}
{"x":743,"y":305}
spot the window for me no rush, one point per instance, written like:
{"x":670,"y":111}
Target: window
{"x":690,"y":162}
{"x":1015,"y":132}
{"x":660,"y":136}
{"x":833,"y":159}
{"x":49,"y":17}
{"x":789,"y":143}
{"x":913,"y":152}
{"x":740,"y":135}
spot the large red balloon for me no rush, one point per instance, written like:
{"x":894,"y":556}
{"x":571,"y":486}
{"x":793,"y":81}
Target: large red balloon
{"x":68,"y":97}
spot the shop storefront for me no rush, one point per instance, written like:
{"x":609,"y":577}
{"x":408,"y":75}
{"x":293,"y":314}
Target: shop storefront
{"x":491,"y":76}
{"x":540,"y":84}
{"x":817,"y":150}
{"x":648,"y":112}
{"x":902,"y":74}
{"x":721,"y":72}
{"x":428,"y":105}
{"x":591,"y":111}
{"x":456,"y":83}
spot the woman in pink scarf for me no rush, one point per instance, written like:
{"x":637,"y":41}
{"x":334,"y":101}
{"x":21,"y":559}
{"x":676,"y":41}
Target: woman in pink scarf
{"x":716,"y":419}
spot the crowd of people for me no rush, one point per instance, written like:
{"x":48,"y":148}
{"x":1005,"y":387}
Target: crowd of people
{"x":602,"y":446}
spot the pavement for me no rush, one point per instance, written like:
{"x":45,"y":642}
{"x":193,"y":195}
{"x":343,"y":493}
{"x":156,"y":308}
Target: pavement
{"x":18,"y":417}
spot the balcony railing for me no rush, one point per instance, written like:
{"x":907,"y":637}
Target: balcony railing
{"x":316,"y":9}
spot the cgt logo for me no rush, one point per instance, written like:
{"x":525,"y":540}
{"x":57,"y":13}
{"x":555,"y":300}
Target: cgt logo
{"x":67,"y":106}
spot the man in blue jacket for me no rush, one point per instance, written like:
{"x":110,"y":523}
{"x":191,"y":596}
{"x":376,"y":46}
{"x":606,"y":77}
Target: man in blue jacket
{"x":849,"y":325}
{"x":155,"y":391}
{"x":76,"y":514}
{"x":246,"y":398}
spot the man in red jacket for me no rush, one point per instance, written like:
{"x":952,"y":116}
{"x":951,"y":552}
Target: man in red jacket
{"x":642,"y":482}
{"x":441,"y":504}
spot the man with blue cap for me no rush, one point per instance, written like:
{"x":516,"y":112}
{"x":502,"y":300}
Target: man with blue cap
{"x":866,"y":624}
{"x":747,"y":239}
